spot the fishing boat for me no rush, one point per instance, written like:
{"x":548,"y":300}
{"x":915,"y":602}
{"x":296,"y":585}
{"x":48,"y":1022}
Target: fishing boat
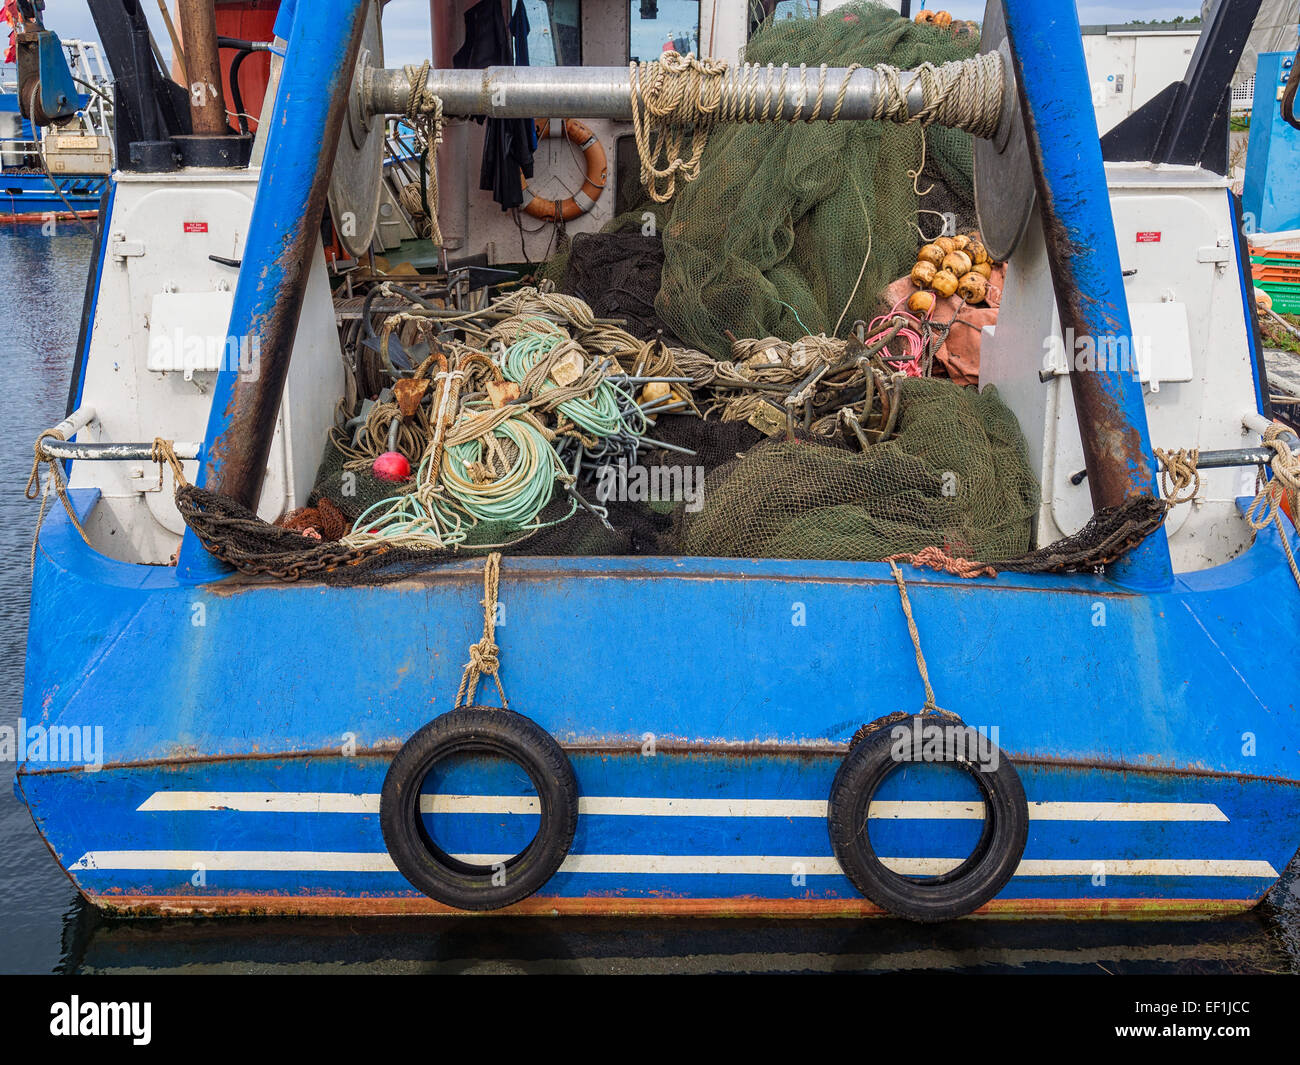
{"x":54,"y":167}
{"x":242,"y":696}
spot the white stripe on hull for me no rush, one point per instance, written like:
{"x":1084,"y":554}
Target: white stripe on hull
{"x":657,"y":864}
{"x":322,"y":802}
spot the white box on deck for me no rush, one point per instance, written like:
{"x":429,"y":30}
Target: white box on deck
{"x":188,"y":332}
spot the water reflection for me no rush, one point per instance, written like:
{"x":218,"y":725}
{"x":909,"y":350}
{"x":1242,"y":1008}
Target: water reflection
{"x":610,"y":946}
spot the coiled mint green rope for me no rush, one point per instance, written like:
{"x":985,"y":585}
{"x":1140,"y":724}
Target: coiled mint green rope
{"x":518,"y":496}
{"x":407,"y":517}
{"x":597,"y":414}
{"x":459,"y":503}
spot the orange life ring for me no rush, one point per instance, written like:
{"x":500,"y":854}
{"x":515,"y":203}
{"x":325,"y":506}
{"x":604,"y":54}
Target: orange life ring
{"x":585,"y":198}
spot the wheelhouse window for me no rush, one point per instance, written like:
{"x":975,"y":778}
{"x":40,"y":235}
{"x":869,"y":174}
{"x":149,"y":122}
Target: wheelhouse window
{"x":658,"y":26}
{"x":554,"y":32}
{"x":762,"y":10}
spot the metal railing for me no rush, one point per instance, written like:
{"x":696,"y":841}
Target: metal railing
{"x":53,"y":447}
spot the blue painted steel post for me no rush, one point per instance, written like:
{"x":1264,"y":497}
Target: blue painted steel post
{"x":1056,"y":100}
{"x":310,"y":103}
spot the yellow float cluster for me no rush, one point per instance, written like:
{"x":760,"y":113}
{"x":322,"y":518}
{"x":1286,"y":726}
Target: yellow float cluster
{"x":948,"y":265}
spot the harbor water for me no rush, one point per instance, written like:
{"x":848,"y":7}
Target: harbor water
{"x":45,"y":927}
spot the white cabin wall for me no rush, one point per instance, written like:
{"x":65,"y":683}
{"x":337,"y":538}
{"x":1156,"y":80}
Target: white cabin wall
{"x":1174,"y":229}
{"x":162,"y":231}
{"x":723,"y":30}
{"x":605,"y":25}
{"x":558,"y":167}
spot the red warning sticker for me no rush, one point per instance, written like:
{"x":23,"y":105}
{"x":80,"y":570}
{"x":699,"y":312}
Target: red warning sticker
{"x":1149,"y":236}
{"x":202,"y":227}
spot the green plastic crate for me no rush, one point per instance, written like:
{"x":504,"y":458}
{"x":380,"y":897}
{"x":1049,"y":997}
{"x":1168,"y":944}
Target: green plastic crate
{"x":1285,"y":295}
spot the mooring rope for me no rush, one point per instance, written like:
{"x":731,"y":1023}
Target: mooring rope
{"x":1180,"y":480}
{"x":1267,"y":506}
{"x":930,"y":705}
{"x":424,"y":110}
{"x":485,"y":656}
{"x":53,"y":479}
{"x":163,"y":452}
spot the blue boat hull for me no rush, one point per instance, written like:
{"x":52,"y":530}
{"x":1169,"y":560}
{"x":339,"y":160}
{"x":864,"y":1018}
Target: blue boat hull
{"x":705,"y":705}
{"x":679,"y":833}
{"x":24,"y":195}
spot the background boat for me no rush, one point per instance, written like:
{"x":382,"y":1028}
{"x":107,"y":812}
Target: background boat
{"x":36,"y":182}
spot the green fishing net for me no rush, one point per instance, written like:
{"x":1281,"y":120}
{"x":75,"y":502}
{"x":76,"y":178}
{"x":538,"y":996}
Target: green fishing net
{"x":956,"y":476}
{"x":772,"y":236}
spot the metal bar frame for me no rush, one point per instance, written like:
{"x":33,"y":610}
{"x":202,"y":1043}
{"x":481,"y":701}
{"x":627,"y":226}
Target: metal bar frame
{"x":1083,"y":255}
{"x":311,"y":100}
{"x":606,"y":92}
{"x":71,"y":449}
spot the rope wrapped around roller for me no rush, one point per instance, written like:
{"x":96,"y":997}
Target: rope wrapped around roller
{"x":676,"y":99}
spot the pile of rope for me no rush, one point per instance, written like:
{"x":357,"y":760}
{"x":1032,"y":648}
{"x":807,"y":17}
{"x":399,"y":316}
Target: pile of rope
{"x":503,"y":411}
{"x":833,"y":389}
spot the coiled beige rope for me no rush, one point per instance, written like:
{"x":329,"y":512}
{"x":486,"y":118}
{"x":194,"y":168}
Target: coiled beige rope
{"x":424,"y":109}
{"x":1284,"y":484}
{"x":673,"y":97}
{"x":676,"y":98}
{"x":962,"y":95}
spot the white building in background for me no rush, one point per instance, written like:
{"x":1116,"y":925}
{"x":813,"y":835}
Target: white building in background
{"x":1128,"y":65}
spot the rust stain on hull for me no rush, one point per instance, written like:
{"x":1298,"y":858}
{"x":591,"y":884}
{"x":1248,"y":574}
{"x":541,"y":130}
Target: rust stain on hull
{"x":710,"y":748}
{"x":1112,"y":444}
{"x":541,"y":906}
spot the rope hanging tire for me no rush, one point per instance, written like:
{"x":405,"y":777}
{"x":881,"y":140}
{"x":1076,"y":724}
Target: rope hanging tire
{"x":871,"y":759}
{"x":479,"y":730}
{"x":491,"y":730}
{"x":876,"y":750}
{"x":582,"y":201}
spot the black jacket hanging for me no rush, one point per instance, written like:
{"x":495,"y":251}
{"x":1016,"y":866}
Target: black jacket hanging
{"x":507,"y":142}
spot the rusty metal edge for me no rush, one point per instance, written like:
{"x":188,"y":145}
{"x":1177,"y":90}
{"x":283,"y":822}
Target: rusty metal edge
{"x":606,"y":906}
{"x":239,"y":582}
{"x":717,"y":749}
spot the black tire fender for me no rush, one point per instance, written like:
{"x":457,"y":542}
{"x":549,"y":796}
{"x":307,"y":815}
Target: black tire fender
{"x":871,"y":758}
{"x":491,"y":730}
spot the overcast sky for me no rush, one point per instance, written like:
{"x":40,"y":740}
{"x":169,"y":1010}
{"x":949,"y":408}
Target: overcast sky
{"x":406,"y":22}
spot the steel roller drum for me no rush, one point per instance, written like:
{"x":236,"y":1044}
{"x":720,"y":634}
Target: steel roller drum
{"x":359,"y":160}
{"x":1004,"y":176}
